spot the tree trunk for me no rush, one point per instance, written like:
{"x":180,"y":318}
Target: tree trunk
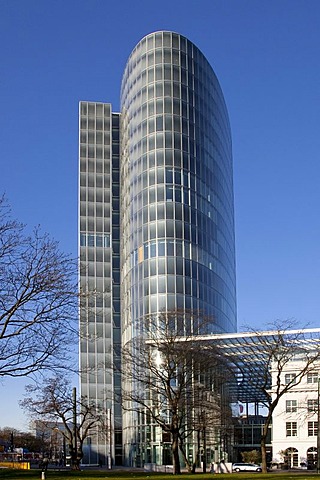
{"x":264,"y":445}
{"x":75,"y":458}
{"x":175,"y":453}
{"x":263,"y":454}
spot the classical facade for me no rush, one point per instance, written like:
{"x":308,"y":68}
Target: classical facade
{"x":295,"y":420}
{"x":156,"y":217}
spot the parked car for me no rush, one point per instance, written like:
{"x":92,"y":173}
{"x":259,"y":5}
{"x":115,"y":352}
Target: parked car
{"x":246,"y":467}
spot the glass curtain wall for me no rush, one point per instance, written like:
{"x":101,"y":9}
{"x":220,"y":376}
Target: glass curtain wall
{"x":100,"y":326}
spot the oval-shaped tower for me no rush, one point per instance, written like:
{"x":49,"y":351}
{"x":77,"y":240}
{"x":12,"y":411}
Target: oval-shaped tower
{"x":177,"y":213}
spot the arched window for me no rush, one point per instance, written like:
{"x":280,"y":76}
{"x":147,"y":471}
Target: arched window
{"x":312,"y":457}
{"x":292,"y":457}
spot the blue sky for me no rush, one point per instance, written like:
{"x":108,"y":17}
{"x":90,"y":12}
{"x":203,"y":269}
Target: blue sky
{"x":265,"y":53}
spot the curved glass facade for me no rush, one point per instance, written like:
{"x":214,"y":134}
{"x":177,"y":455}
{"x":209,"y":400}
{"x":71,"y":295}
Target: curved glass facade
{"x":177,"y":225}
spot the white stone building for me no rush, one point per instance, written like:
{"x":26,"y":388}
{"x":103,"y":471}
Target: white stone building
{"x":295,"y":420}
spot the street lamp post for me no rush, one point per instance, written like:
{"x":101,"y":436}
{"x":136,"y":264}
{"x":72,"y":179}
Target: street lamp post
{"x":75,"y":432}
{"x":318,"y":431}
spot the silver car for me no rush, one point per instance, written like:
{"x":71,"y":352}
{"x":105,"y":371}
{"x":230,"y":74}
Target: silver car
{"x":246,"y":467}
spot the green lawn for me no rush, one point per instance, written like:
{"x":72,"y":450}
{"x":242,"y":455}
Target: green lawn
{"x":10,"y":474}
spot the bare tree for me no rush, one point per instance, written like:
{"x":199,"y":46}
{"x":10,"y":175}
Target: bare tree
{"x":57,"y":407}
{"x":264,"y":361}
{"x":38,"y":300}
{"x":162,"y":370}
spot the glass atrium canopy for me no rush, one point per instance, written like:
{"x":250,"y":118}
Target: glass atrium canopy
{"x":250,"y":356}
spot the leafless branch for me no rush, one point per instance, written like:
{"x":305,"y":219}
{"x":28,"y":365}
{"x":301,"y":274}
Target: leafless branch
{"x":38,"y":300}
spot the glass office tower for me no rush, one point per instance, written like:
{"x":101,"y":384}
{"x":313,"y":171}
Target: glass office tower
{"x":164,"y":231}
{"x":177,"y":217}
{"x":99,"y":238}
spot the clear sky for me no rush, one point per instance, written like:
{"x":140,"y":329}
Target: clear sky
{"x":266,"y":55}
